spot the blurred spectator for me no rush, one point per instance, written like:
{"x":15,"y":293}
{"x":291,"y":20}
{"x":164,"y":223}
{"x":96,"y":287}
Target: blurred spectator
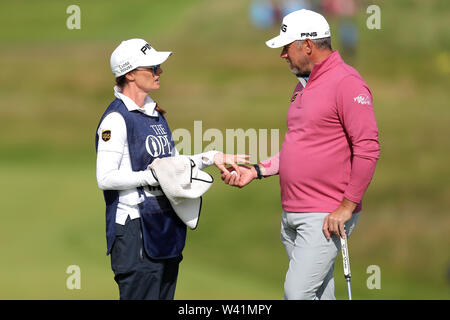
{"x":289,"y":6}
{"x":262,"y":13}
{"x":344,"y":11}
{"x":267,"y":13}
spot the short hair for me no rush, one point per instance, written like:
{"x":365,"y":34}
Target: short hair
{"x":121,"y":81}
{"x":322,"y":43}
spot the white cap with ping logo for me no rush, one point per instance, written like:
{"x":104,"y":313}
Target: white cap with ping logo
{"x":134,"y":53}
{"x":299,"y":25}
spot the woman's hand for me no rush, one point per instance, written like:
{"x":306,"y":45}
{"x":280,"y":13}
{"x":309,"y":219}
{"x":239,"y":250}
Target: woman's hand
{"x":221,"y":159}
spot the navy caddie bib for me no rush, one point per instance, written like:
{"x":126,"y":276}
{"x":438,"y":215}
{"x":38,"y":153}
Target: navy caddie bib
{"x":164,"y":234}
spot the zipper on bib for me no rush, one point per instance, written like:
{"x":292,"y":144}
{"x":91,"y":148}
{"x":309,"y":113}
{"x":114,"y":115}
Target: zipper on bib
{"x":141,"y":251}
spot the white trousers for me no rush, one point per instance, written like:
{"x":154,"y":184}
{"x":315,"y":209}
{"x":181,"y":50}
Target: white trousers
{"x":311,"y":255}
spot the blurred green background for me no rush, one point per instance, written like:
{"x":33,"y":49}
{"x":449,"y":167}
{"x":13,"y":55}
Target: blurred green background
{"x":56,"y":83}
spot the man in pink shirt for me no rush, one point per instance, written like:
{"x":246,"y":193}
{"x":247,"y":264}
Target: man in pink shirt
{"x":327,"y":159}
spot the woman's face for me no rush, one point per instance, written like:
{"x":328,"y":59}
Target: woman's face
{"x":147,"y":78}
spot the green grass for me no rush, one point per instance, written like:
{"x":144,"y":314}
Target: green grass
{"x":45,"y":21}
{"x":56,"y":83}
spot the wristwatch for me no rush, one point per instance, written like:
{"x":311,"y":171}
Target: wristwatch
{"x":258,"y":171}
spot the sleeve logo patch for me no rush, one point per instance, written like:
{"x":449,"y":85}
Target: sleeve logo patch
{"x":362,"y":99}
{"x":106,"y":135}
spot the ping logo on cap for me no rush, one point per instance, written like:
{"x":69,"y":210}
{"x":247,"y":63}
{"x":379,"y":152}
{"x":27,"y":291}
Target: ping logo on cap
{"x":283,"y":27}
{"x":308,"y":34}
{"x":144,"y":48}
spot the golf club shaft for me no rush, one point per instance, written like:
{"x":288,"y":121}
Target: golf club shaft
{"x":349,"y":289}
{"x":346,"y":265}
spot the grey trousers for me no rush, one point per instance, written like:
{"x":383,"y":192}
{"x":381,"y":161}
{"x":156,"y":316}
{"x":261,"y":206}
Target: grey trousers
{"x":311,"y":255}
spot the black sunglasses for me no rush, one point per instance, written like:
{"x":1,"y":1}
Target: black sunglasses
{"x":153,"y":68}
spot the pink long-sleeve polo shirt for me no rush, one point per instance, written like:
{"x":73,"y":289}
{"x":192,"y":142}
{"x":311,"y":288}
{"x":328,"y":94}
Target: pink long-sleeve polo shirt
{"x":331,"y":146}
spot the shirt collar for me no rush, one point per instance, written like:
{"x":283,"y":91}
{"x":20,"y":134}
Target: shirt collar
{"x":149,"y":104}
{"x":330,"y":62}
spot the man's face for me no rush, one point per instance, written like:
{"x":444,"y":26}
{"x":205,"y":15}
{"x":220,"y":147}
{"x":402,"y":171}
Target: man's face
{"x":297,"y":59}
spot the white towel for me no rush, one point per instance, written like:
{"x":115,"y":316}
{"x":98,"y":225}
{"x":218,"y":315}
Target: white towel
{"x":183,"y":183}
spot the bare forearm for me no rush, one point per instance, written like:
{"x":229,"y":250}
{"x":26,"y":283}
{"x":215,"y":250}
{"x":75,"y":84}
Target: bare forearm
{"x":348,"y":205}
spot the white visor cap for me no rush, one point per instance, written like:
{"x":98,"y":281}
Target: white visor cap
{"x":299,"y":25}
{"x":134,"y":53}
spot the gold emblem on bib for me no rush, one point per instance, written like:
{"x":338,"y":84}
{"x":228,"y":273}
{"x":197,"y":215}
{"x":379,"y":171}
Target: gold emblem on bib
{"x":106,"y":135}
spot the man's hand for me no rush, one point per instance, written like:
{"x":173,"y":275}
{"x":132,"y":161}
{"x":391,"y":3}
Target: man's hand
{"x":220,"y":160}
{"x":334,"y":222}
{"x":247,"y":175}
